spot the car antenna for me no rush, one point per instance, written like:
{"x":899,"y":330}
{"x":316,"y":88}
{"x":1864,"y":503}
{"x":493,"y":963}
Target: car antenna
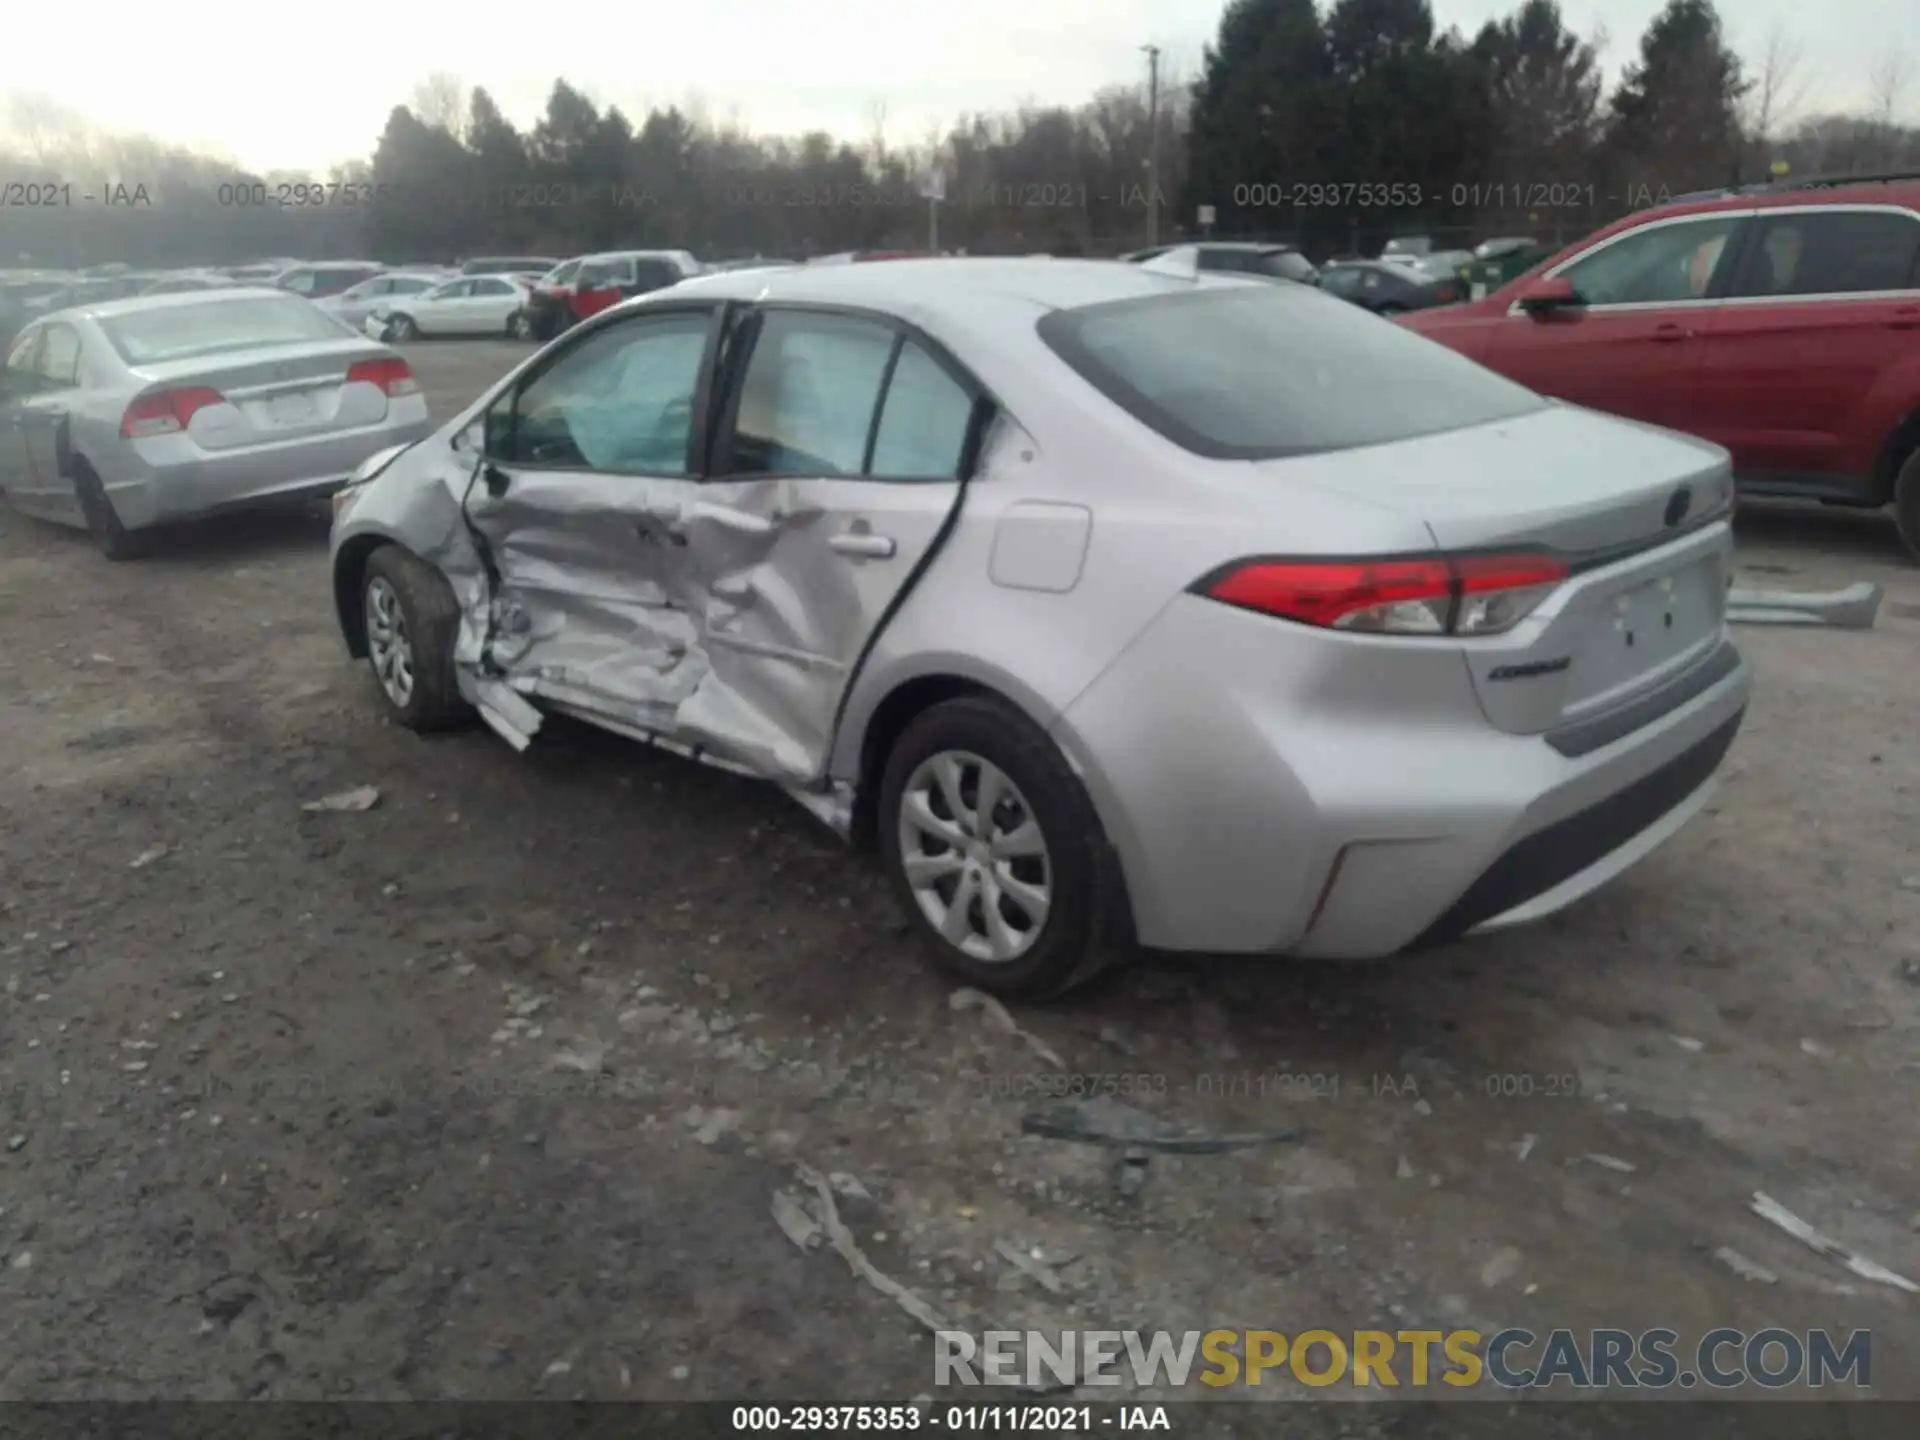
{"x":1180,"y":263}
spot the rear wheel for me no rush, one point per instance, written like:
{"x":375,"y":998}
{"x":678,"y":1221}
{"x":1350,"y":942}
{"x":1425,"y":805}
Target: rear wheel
{"x":412,"y":620}
{"x":518,"y":326}
{"x":996,"y":853}
{"x":116,"y":542}
{"x":1906,"y":503}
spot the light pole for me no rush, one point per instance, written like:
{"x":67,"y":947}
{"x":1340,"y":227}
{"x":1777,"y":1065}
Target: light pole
{"x":1153,"y":143}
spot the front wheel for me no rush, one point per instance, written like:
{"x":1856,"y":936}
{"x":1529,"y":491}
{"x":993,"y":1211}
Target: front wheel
{"x":412,"y":620}
{"x":401,"y":329}
{"x":994,"y":849}
{"x":518,"y":326}
{"x":1906,"y":503}
{"x":116,"y":542}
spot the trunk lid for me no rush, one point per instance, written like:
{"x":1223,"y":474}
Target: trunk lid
{"x":278,"y":393}
{"x":1638,"y":514}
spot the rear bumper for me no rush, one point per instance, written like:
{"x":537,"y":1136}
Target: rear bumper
{"x":1272,"y":789}
{"x":176,"y":480}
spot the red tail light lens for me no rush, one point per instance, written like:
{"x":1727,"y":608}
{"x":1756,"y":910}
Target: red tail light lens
{"x":1447,"y":294}
{"x":166,"y":412}
{"x":392,"y":375}
{"x":1438,"y":595}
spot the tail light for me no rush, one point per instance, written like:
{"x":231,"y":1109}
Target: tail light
{"x":391,"y":374}
{"x":166,"y":412}
{"x":1447,"y":294}
{"x":1482,"y":594}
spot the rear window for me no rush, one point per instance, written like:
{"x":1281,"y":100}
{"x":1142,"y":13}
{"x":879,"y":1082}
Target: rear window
{"x":1260,"y":372}
{"x":185,"y":332}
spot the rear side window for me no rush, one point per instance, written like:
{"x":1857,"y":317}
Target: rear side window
{"x":1232,"y":261}
{"x":655,"y":274}
{"x":1261,"y":372}
{"x":407,"y":287}
{"x":60,"y":358}
{"x":923,"y":421}
{"x":807,"y":401}
{"x":1834,"y":252}
{"x":212,"y":327}
{"x":1287,"y":264}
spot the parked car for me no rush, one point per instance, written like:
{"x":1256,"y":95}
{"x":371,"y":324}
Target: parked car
{"x":352,"y":306}
{"x":470,"y":305}
{"x":1389,"y":287}
{"x":1500,"y":259}
{"x":21,"y":299}
{"x":1108,"y":604}
{"x":531,"y":266}
{"x":127,"y":415}
{"x":585,"y":286}
{"x":1280,"y":262}
{"x":1784,"y":325}
{"x":1407,"y":245}
{"x":187,"y":282}
{"x":324,"y":278}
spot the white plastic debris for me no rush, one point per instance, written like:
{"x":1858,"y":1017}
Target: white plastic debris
{"x":1746,"y":1269}
{"x":1524,"y":1148}
{"x":1611,"y":1162}
{"x":1853,"y":608}
{"x":791,"y":1215}
{"x":361,"y":797}
{"x":1688,"y":1043}
{"x":146,"y":857}
{"x":1775,"y":1213}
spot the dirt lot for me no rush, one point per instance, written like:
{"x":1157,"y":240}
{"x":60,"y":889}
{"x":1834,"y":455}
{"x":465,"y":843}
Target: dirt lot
{"x":487,"y":1091}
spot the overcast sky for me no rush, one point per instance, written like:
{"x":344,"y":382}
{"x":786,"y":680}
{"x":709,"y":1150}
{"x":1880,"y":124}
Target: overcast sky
{"x":304,"y":88}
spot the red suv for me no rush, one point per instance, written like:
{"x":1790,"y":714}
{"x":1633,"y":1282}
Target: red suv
{"x":1780,"y":322}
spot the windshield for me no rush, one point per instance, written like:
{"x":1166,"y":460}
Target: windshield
{"x":1253,"y":373}
{"x":185,"y":332}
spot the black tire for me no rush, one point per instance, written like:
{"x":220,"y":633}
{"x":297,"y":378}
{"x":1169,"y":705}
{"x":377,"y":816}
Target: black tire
{"x":1391,"y":308}
{"x":1087,"y":925}
{"x":401,"y":330}
{"x":431,"y":620}
{"x":519,"y":327}
{"x":116,"y":542}
{"x":1906,"y":503}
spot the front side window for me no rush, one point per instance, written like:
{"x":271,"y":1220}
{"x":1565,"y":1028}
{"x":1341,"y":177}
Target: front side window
{"x":300,"y":282}
{"x":807,"y":402}
{"x":1287,"y":265}
{"x":451,"y":292}
{"x":21,"y":377}
{"x":407,"y":287}
{"x":1661,"y":264}
{"x":621,"y":401}
{"x":1267,"y":371}
{"x":492,"y":287}
{"x":1833,"y":252}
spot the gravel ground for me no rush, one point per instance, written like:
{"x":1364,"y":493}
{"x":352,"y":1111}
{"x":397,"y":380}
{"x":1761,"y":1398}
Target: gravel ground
{"x":486,"y":1092}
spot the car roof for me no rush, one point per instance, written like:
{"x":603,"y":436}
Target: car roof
{"x":1903,"y":190}
{"x":140,"y":304}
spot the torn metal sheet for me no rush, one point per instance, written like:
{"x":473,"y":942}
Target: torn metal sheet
{"x":1772,"y":1211}
{"x":1854,"y":608}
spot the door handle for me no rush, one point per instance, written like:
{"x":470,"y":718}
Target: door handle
{"x":1670,"y":334}
{"x":863,"y":543}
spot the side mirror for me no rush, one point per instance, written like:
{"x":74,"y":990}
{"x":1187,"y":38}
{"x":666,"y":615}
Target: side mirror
{"x":1542,"y":298}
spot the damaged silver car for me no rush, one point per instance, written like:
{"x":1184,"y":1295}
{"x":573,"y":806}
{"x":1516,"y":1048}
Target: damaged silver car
{"x":1110,"y":605}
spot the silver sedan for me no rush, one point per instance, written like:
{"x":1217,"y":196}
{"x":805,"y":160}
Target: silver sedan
{"x":123,"y":416}
{"x":1107,"y":602}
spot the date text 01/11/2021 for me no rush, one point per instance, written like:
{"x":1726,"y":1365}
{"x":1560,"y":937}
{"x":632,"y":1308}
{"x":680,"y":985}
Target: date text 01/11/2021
{"x":34,"y":195}
{"x":956,"y":1419}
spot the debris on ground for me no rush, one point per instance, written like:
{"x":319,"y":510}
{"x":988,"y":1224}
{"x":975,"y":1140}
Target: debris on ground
{"x":795,"y":1221}
{"x":1032,"y":1267}
{"x":589,"y":1058}
{"x":849,"y":1250}
{"x":1106,"y":1121}
{"x":1404,"y":1170}
{"x":1610,"y":1162}
{"x":1504,"y":1265}
{"x":850,"y":1186}
{"x":361,"y":797}
{"x":1775,"y":1213}
{"x":1688,"y":1043}
{"x":1746,"y":1269}
{"x":1853,"y":608}
{"x":1525,"y":1147}
{"x":967,"y":998}
{"x":146,"y":857}
{"x":709,"y":1125}
{"x":1130,"y":1176}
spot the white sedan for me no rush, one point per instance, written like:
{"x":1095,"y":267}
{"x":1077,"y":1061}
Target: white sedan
{"x":470,"y":305}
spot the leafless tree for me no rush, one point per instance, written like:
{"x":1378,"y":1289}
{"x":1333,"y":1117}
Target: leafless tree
{"x":51,"y":134}
{"x":440,"y":100}
{"x":1779,"y":86}
{"x":1888,"y":82}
